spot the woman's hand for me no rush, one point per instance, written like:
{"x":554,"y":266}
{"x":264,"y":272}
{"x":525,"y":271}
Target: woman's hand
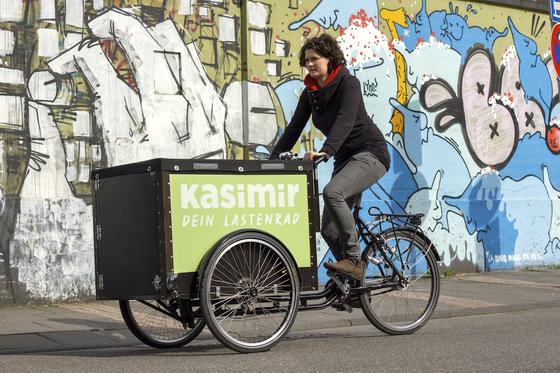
{"x":309,"y":156}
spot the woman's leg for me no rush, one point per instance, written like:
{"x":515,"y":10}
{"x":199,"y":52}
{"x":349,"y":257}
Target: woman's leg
{"x":361,"y":171}
{"x":329,"y":231}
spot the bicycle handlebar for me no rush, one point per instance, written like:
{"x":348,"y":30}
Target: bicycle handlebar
{"x":286,"y":156}
{"x":320,"y":158}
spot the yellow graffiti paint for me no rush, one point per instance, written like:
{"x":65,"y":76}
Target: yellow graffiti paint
{"x":392,"y":17}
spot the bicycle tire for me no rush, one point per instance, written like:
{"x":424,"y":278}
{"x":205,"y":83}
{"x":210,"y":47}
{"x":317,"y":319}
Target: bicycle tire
{"x":423,"y":276}
{"x":244,"y":276}
{"x":156,"y":329}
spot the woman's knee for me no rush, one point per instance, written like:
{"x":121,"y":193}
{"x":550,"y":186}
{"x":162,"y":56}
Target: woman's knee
{"x":332,"y":193}
{"x":329,"y":233}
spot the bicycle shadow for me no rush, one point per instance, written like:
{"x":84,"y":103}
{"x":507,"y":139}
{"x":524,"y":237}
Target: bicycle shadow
{"x":207,"y":347}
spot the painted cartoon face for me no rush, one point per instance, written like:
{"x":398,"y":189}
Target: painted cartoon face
{"x":317,"y":65}
{"x":529,"y":114}
{"x":490,"y":130}
{"x":455,"y":26}
{"x":524,"y":46}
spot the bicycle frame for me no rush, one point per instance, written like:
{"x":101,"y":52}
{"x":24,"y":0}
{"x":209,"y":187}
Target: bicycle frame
{"x":333,"y":293}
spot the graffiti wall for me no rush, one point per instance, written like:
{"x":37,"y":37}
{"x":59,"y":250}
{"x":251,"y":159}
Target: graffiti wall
{"x":464,"y":92}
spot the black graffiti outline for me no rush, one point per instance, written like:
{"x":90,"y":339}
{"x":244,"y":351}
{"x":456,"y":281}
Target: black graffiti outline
{"x":454,"y":106}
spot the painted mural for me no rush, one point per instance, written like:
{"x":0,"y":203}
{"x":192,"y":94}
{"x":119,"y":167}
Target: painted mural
{"x":465,"y":93}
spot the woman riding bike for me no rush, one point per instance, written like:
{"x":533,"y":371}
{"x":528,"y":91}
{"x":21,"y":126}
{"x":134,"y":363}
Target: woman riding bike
{"x":333,"y":99}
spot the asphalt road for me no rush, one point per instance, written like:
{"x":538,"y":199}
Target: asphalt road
{"x":518,"y":341}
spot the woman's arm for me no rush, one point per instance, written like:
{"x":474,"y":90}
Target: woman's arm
{"x":293,"y":130}
{"x":345,"y":118}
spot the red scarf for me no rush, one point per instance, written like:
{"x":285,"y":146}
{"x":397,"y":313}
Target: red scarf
{"x":313,"y":85}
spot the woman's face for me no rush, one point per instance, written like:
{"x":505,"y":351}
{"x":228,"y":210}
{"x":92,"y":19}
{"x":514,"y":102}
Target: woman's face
{"x":317,"y":65}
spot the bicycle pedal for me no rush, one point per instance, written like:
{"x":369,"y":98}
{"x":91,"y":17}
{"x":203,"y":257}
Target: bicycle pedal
{"x":342,"y":286}
{"x":342,"y":307}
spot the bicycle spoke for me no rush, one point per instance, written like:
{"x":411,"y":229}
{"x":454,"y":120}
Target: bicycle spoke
{"x":257,"y":272}
{"x":405,"y":307}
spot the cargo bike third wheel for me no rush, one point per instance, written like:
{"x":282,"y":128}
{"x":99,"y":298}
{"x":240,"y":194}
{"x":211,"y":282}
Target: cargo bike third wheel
{"x":249,"y":292}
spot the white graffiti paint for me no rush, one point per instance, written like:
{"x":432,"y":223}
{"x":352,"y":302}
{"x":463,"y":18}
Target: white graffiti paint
{"x":12,"y":114}
{"x":257,"y":13}
{"x":424,"y":63}
{"x":7,"y":42}
{"x":47,"y":40}
{"x":370,"y":59}
{"x":2,"y":198}
{"x":553,"y":248}
{"x":52,"y":246}
{"x":178,"y":112}
{"x":11,"y":10}
{"x":453,"y":243}
{"x":227,"y":28}
{"x":261,"y":111}
{"x":363,"y":43}
{"x":529,"y":115}
{"x":74,"y":12}
{"x":489,"y":127}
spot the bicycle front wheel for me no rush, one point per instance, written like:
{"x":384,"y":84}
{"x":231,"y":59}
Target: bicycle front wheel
{"x":249,"y":292}
{"x":157,"y":323}
{"x":401,"y":307}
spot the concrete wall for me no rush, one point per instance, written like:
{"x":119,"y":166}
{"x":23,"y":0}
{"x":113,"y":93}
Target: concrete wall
{"x":464,"y":92}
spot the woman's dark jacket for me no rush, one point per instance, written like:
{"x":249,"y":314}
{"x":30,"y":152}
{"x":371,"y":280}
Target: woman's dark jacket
{"x":338,"y":111}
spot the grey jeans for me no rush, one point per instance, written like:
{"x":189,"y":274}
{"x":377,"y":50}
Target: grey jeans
{"x":340,"y":195}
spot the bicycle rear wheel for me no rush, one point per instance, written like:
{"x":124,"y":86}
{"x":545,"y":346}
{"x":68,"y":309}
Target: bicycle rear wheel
{"x":156,"y":323}
{"x":249,"y":292}
{"x":407,"y":305}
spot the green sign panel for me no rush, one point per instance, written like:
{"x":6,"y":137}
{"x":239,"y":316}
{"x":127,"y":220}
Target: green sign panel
{"x":206,"y":208}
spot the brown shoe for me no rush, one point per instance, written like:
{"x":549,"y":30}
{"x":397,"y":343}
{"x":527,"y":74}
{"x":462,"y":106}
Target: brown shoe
{"x":348,"y":267}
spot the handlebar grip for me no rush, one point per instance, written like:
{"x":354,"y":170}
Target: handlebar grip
{"x":320,"y":158}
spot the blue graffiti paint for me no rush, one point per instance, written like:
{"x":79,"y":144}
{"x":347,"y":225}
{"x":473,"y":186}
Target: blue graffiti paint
{"x":417,"y":30}
{"x":480,"y":205}
{"x":449,"y":28}
{"x":288,"y":94}
{"x":463,"y":37}
{"x":438,"y":23}
{"x":530,"y":157}
{"x":393,"y":190}
{"x":423,"y":147}
{"x":496,"y":208}
{"x":335,"y":14}
{"x":533,"y":73}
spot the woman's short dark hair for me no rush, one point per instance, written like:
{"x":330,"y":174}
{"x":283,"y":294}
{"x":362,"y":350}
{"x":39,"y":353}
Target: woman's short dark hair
{"x":326,"y":46}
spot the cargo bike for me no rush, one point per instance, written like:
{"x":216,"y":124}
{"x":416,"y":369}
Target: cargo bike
{"x":231,"y":244}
